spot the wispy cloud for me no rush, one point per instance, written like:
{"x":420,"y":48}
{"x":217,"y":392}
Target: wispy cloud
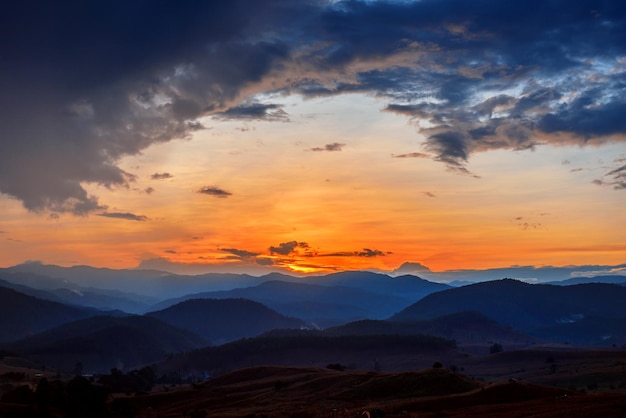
{"x":161,"y":176}
{"x":335,"y":146}
{"x":243,"y":254}
{"x":124,"y":215}
{"x":365,"y":252}
{"x":411,"y":155}
{"x":215,"y":192}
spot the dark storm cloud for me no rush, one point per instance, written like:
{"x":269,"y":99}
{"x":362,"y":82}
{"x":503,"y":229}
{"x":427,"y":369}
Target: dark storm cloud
{"x":161,"y":176}
{"x":124,"y":215}
{"x":214,"y":191}
{"x":255,"y":111}
{"x":85,"y":84}
{"x":287,"y":248}
{"x":335,"y":146}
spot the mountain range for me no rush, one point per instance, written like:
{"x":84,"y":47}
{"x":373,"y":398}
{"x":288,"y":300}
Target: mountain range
{"x":50,"y":319}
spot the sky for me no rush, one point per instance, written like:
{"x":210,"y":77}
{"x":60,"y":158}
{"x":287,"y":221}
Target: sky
{"x":313,"y":136}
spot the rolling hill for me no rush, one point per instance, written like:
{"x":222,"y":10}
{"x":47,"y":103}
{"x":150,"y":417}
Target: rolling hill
{"x":224,"y":320}
{"x":525,"y":307}
{"x":314,"y":348}
{"x":23,"y":315}
{"x":104,"y":342}
{"x":467,"y":328}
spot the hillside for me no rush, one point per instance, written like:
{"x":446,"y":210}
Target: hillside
{"x":322,"y":305}
{"x":23,"y":315}
{"x":104,"y":342}
{"x":525,"y":307}
{"x":314,"y":348}
{"x":224,"y":320}
{"x":314,"y":392}
{"x":467,"y":328}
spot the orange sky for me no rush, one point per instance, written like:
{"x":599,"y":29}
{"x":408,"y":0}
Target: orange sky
{"x":357,"y":207}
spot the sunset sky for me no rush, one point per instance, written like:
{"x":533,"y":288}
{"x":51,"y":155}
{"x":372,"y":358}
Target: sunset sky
{"x":313,"y":136}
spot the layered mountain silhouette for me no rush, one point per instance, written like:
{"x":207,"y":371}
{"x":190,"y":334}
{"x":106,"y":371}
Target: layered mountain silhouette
{"x":43,"y":287}
{"x":224,"y":320}
{"x":321,"y":305}
{"x":150,"y":284}
{"x":467,"y":328}
{"x":530,"y":308}
{"x":48,"y":318}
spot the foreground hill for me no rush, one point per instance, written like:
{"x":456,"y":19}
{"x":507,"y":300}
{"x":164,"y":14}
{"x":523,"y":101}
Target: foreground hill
{"x":311,"y":392}
{"x":313,"y":348}
{"x":224,"y":320}
{"x":526,"y":307}
{"x":24,"y":315}
{"x":104,"y":342}
{"x":321,"y":305}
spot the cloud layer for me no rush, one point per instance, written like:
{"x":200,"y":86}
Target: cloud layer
{"x":84,"y":85}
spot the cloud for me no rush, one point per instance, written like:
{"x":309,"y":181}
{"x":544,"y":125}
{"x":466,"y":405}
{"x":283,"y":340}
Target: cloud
{"x":615,"y":178}
{"x":170,"y":251}
{"x":429,"y":194}
{"x":366,"y":252}
{"x":411,"y":155}
{"x":124,"y":215}
{"x":240,"y":253}
{"x":215,"y":191}
{"x":161,"y":176}
{"x":335,"y":146}
{"x":255,"y":111}
{"x":112,"y":79}
{"x":287,"y":248}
